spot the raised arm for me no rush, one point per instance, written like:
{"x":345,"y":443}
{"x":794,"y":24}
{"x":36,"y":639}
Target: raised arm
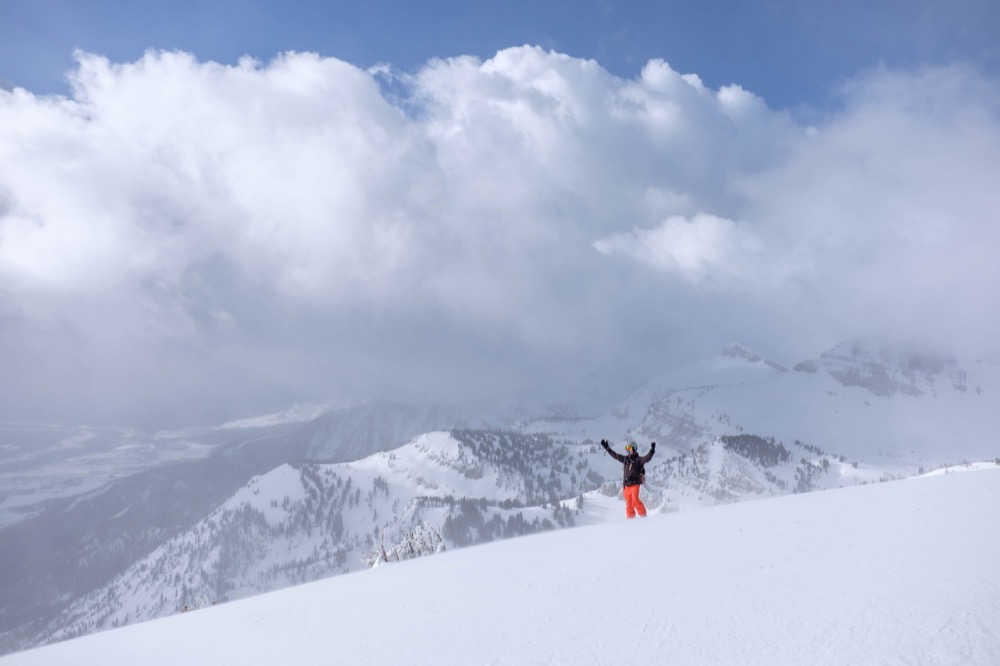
{"x":607,"y":447}
{"x":649,"y":456}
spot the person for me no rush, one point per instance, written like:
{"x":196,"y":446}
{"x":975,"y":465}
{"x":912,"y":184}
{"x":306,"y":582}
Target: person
{"x":635,"y":475}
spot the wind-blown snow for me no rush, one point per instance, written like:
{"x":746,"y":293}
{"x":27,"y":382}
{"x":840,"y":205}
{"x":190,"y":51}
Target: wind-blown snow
{"x":892,"y":573}
{"x":294,"y":414}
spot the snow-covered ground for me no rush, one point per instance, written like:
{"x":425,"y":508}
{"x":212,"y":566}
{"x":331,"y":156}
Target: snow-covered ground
{"x":892,"y":573}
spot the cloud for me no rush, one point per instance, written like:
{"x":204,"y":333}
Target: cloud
{"x":883,"y":213}
{"x":184,"y":232}
{"x":705,"y":247}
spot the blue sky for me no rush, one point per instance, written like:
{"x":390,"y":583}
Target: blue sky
{"x":791,"y":53}
{"x":443,"y":201}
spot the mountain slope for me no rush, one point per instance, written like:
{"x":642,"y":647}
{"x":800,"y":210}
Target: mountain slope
{"x":892,"y":573}
{"x":733,"y":427}
{"x":891,"y":409}
{"x":309,"y":520}
{"x":68,"y":546}
{"x":306,"y":521}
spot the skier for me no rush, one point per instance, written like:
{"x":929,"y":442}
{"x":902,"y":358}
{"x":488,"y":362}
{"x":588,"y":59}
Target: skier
{"x":635,"y":475}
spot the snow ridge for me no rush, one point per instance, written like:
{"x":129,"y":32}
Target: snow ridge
{"x":895,"y":573}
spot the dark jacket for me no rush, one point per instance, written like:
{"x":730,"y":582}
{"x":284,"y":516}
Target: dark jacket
{"x":634,"y":464}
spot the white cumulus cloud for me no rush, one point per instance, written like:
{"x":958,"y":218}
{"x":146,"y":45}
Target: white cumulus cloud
{"x":179,"y":228}
{"x":704,"y":247}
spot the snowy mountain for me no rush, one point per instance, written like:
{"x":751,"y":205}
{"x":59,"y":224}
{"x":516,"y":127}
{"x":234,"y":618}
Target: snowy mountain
{"x":734,"y":427}
{"x":132,"y":496}
{"x":886,"y":372}
{"x":891,"y":573}
{"x":309,"y":520}
{"x":898,"y":410}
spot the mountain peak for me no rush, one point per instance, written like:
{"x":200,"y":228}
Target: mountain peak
{"x":736,"y":350}
{"x":886,"y":370}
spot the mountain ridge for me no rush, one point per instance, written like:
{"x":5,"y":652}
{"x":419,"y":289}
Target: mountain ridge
{"x":732,"y":427}
{"x":889,"y":573}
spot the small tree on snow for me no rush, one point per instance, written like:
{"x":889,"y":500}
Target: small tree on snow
{"x":376,"y":554}
{"x":420,"y":541}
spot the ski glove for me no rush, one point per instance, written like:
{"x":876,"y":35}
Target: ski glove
{"x":652,"y":447}
{"x":604,"y":443}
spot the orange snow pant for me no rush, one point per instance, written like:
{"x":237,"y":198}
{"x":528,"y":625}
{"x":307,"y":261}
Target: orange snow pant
{"x":633,"y":503}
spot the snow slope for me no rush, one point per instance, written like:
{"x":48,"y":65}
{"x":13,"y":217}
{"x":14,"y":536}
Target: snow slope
{"x":733,"y":427}
{"x":891,"y":573}
{"x":307,"y":521}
